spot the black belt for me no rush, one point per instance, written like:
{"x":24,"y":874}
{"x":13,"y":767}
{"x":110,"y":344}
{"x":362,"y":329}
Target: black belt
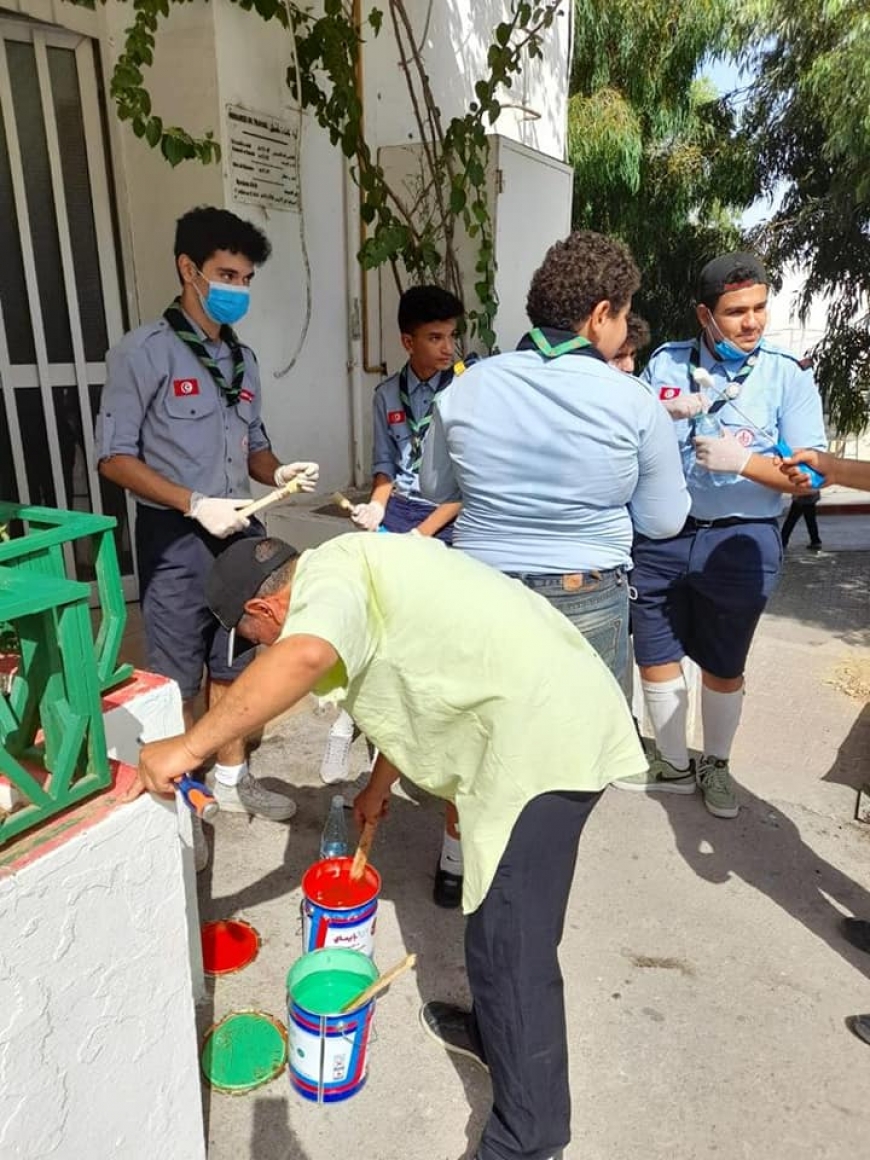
{"x":729,"y":521}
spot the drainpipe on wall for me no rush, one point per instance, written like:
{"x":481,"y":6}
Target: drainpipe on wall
{"x":359,"y":357}
{"x":355,"y":327}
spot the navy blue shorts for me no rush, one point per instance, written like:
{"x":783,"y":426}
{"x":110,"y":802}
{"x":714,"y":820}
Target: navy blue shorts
{"x":182,"y":636}
{"x":403,"y":515}
{"x":700,"y":594}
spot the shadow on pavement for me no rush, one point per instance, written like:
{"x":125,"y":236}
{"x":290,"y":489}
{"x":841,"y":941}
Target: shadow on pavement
{"x":764,"y":848}
{"x":272,"y":1138}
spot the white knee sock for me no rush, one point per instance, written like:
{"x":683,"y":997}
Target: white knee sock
{"x":720,"y":716}
{"x":668,"y":706}
{"x":451,"y":855}
{"x":230,"y":774}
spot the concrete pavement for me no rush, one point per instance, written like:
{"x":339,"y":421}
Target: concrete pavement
{"x":706,"y":981}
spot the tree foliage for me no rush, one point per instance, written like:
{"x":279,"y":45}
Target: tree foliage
{"x":652,"y":147}
{"x":807,"y":120}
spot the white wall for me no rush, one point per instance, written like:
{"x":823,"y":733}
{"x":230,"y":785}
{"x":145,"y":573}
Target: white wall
{"x":455,"y":36}
{"x":307,"y":411}
{"x":98,"y":1054}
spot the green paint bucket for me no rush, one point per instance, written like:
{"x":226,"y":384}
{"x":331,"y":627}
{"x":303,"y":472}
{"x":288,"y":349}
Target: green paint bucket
{"x":327,"y":1050}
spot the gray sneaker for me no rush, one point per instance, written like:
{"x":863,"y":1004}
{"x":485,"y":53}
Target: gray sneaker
{"x":249,"y":797}
{"x":714,"y":778}
{"x":660,"y":777}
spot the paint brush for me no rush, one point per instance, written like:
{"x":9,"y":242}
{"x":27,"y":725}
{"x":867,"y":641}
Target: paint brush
{"x":198,"y":798}
{"x":274,"y":496}
{"x":361,"y":857}
{"x":342,"y":501}
{"x":381,"y":984}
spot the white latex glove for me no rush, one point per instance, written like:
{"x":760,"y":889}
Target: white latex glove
{"x":218,"y":516}
{"x":308,"y":474}
{"x":721,"y":453}
{"x":686,"y":405}
{"x":368,"y":516}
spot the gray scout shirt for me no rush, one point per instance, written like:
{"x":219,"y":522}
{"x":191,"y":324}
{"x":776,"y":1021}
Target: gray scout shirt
{"x":161,"y":405}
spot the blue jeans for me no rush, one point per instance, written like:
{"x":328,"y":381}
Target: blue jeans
{"x":596,"y":603}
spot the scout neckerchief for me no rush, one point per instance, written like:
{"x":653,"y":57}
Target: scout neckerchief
{"x":419,"y":427}
{"x":183,"y":328}
{"x":552,"y":343}
{"x":740,"y":378}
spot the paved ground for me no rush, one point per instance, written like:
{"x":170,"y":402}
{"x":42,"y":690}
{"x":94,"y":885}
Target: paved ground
{"x":705,"y":977}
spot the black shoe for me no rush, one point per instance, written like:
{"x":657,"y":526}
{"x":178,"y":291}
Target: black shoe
{"x":859,"y":1025}
{"x":451,"y":1026}
{"x":448,"y":889}
{"x":856,"y":931}
{"x":815,"y":546}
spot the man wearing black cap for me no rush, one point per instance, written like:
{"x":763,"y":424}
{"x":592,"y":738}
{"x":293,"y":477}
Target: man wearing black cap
{"x":498,"y":703}
{"x":701,"y":593}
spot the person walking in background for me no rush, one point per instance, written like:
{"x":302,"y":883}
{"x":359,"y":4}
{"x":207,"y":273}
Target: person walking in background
{"x":803,"y":505}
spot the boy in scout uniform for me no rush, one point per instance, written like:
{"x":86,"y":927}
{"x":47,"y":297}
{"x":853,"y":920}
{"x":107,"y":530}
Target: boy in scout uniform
{"x":180,"y":427}
{"x":701,"y":593}
{"x":401,"y":414}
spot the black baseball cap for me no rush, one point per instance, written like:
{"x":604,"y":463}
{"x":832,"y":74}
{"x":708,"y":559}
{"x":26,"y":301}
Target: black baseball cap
{"x":237,"y":575}
{"x":730,"y":272}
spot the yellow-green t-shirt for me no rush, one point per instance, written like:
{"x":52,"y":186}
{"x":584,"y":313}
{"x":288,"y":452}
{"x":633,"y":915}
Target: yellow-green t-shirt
{"x":477,"y":689}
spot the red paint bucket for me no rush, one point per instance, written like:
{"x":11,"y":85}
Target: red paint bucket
{"x":338,"y":911}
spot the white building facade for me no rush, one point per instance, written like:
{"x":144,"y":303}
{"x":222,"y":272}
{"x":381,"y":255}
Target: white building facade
{"x":88,"y":211}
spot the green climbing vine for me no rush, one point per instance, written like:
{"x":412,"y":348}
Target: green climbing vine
{"x":418,"y":234}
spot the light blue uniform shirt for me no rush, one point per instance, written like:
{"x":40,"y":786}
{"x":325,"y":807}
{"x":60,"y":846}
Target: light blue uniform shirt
{"x":391,"y":435}
{"x":161,"y":405}
{"x":778,"y":396}
{"x":552,"y":460}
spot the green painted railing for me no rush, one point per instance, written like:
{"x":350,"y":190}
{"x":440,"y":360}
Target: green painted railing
{"x":41,"y":550}
{"x":52,"y":740}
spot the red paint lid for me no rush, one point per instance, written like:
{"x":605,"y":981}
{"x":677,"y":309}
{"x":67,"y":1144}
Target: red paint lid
{"x":328,"y":883}
{"x":228,"y":946}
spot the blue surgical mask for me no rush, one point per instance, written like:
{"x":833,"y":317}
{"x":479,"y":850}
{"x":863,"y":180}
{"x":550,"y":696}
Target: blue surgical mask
{"x":725,"y":350}
{"x":225,"y":304}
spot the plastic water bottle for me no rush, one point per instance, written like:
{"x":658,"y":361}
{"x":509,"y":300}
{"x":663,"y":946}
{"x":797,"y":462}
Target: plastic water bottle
{"x":706,"y":426}
{"x":333,"y":842}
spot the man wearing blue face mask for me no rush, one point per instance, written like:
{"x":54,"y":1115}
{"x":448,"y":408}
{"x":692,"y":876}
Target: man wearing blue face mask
{"x":701,"y":593}
{"x":180,"y":427}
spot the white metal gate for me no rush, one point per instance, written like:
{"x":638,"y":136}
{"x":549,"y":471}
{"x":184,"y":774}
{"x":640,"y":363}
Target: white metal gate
{"x":60,"y":301}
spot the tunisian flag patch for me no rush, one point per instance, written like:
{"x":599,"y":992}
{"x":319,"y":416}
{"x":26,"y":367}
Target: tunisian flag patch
{"x":395,"y":416}
{"x":669,"y":392}
{"x":184,"y":387}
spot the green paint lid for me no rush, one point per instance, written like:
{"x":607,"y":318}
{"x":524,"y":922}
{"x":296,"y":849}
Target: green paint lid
{"x":245,"y":1050}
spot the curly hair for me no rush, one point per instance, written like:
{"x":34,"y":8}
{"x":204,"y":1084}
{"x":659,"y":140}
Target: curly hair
{"x":577,"y":274}
{"x":637,"y":333}
{"x":203,"y":231}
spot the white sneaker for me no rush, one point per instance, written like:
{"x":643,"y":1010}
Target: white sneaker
{"x":200,"y":845}
{"x":248,"y":796}
{"x":335,"y":765}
